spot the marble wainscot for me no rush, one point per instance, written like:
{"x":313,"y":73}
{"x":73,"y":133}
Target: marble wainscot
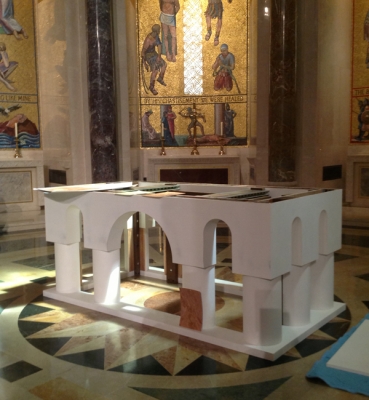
{"x":283,"y":244}
{"x":20,"y":206}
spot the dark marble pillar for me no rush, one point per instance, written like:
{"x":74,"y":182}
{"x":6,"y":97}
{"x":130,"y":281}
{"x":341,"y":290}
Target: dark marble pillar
{"x":101,"y":91}
{"x":282,"y":98}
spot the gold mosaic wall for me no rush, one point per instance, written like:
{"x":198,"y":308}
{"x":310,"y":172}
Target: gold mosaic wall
{"x":18,"y":77}
{"x":193,"y":48}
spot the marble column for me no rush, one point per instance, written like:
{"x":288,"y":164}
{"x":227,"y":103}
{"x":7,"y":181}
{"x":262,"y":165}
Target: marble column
{"x":282,"y":95}
{"x":101,"y":91}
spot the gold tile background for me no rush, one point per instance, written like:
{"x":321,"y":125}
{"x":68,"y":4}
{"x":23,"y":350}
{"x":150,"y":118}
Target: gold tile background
{"x":24,"y":77}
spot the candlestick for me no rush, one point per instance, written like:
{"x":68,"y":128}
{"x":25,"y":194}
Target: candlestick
{"x":194,"y":150}
{"x":221,"y":140}
{"x":16,"y":129}
{"x":17,"y":152}
{"x":162,"y":130}
{"x":162,"y":151}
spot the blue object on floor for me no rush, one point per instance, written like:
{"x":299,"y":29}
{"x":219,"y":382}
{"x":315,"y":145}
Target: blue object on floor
{"x":348,"y":381}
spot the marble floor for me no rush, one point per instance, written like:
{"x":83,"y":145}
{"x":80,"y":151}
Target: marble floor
{"x":53,"y":350}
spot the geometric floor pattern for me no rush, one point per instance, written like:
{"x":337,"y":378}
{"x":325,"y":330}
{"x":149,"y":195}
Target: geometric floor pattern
{"x":53,"y":350}
{"x":253,"y":391}
{"x":90,"y":338}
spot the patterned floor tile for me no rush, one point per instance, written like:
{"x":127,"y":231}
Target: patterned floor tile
{"x":336,"y":329}
{"x":18,"y":370}
{"x":143,"y":366}
{"x":310,"y":346}
{"x":28,"y":328}
{"x":4,"y":303}
{"x":50,"y":345}
{"x":253,"y":391}
{"x":364,"y":276}
{"x":33,"y":309}
{"x":61,"y":389}
{"x":91,"y":359}
{"x":206,"y":366}
{"x":87,"y":338}
{"x":342,"y":257}
{"x":355,"y":240}
{"x":159,"y":360}
{"x":257,"y":363}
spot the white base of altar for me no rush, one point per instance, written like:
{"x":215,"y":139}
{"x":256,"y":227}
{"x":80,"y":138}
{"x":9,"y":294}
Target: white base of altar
{"x":218,"y":336}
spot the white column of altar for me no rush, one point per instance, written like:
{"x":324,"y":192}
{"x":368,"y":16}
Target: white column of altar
{"x":296,"y":296}
{"x":322,"y":282}
{"x":202,"y":280}
{"x":67,"y":268}
{"x":106,"y":270}
{"x":262,"y":310}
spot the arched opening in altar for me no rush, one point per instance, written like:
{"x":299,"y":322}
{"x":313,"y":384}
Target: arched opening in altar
{"x":155,"y":251}
{"x":227,"y":285}
{"x":223,"y":266}
{"x":155,"y":245}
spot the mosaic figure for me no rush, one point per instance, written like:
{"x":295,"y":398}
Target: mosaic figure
{"x":222,"y":70}
{"x":151,"y":59}
{"x":168,"y":137}
{"x":194,"y":115}
{"x":7,"y":110}
{"x":366,"y":37}
{"x":171,"y":117}
{"x":214,"y":10}
{"x":169,"y":9}
{"x":229,"y":116}
{"x":6,"y":67}
{"x":146,"y":126}
{"x":7,"y":21}
{"x":363,"y":119}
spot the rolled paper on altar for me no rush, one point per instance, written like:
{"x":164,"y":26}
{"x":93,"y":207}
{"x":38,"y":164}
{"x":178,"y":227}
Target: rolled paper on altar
{"x":16,"y":129}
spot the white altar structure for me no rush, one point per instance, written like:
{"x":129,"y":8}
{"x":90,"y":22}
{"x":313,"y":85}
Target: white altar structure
{"x":283,"y":245}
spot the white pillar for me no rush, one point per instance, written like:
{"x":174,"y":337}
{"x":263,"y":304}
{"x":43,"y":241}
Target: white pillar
{"x":202,"y":280}
{"x":67,"y":268}
{"x":262,"y":311}
{"x":296,"y":296}
{"x":322,"y":282}
{"x":106,"y":269}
